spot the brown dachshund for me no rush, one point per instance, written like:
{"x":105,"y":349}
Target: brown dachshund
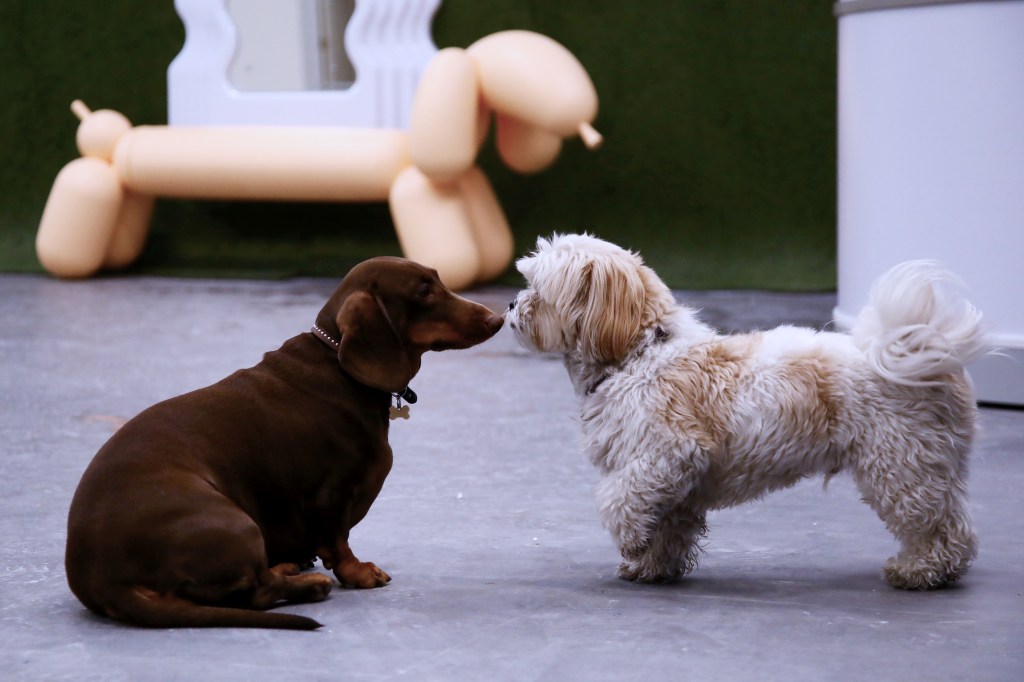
{"x":200,"y":510}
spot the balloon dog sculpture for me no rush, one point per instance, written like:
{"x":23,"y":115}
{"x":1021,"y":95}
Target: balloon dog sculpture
{"x":445,"y":212}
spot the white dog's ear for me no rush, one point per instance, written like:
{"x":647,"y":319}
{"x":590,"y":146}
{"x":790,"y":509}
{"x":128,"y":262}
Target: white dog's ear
{"x":610,"y":301}
{"x":527,"y":265}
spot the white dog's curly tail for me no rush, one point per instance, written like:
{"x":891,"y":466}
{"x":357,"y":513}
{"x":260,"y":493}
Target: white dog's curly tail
{"x":918,"y":326}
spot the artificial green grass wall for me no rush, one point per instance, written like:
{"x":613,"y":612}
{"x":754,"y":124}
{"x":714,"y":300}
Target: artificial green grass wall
{"x":718,"y":116}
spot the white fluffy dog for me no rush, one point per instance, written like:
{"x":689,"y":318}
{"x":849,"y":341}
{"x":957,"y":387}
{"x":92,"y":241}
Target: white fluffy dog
{"x":681,"y":420}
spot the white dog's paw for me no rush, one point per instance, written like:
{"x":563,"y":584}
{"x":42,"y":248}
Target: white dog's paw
{"x":633,"y":546}
{"x":633,"y":541}
{"x":643,"y":570}
{"x":663,"y":562}
{"x":905,"y":574}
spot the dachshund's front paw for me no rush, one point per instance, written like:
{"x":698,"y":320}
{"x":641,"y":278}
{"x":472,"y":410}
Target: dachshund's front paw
{"x":362,"y":575}
{"x":312,"y":586}
{"x":287,"y":569}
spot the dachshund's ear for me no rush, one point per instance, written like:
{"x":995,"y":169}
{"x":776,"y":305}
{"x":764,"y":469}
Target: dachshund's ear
{"x":371,"y":348}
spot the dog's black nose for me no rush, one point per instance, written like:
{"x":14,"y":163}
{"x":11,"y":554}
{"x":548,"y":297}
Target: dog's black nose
{"x":512,"y":304}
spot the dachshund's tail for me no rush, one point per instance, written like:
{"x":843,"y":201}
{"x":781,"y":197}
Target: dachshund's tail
{"x":167,"y":611}
{"x":918,"y":327}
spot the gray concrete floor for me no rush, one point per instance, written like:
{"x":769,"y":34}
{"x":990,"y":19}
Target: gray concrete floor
{"x":487,"y":523}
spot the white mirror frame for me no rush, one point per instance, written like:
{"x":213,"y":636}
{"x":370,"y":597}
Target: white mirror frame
{"x":387,"y":41}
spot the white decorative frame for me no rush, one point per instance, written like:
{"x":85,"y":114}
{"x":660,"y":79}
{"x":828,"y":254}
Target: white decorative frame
{"x":387,"y":41}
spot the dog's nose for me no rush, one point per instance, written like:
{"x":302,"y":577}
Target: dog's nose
{"x":494,"y":323}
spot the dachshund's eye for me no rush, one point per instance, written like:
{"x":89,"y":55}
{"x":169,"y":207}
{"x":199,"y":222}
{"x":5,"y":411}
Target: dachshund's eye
{"x":424,"y":291}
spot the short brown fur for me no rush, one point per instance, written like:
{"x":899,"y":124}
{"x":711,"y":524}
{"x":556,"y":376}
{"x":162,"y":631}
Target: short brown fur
{"x":199,"y":511}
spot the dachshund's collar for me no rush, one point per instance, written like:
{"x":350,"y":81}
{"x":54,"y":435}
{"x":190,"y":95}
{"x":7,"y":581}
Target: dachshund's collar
{"x":397,"y":411}
{"x":325,"y":337}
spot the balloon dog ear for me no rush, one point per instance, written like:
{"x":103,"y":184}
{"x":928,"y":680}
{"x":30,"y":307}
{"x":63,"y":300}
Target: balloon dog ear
{"x":372,"y":349}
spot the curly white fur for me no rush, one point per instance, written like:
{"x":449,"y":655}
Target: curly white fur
{"x":681,"y":420}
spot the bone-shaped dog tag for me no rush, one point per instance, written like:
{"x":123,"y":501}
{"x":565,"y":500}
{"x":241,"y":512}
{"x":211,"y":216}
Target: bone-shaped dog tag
{"x":398,"y":412}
